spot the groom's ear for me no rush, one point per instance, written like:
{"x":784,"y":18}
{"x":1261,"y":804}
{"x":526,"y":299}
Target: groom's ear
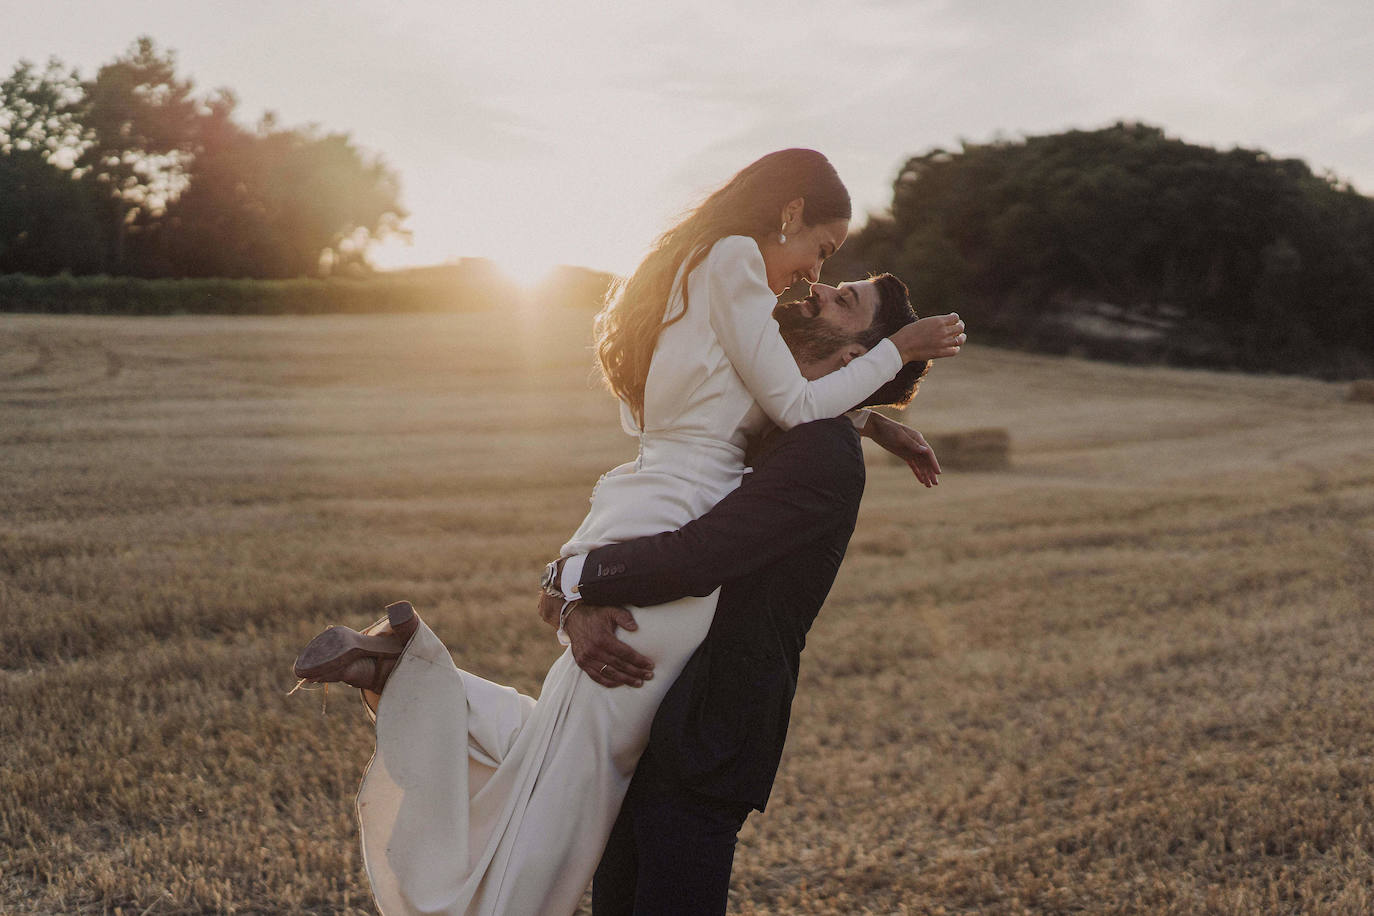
{"x":852,"y":352}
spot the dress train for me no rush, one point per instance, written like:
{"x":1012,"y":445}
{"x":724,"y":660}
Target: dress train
{"x":481,"y":801}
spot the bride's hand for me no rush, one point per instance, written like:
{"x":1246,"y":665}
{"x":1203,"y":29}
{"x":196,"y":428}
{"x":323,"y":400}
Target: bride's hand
{"x":930,"y":338}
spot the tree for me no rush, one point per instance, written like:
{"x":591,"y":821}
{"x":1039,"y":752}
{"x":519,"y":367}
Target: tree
{"x":39,"y":113}
{"x":133,"y":173}
{"x":48,"y":219}
{"x":142,"y":123}
{"x":276,"y":203}
{"x":1233,"y":257}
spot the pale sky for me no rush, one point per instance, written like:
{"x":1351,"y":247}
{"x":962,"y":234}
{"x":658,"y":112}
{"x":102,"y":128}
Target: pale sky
{"x":570,"y":131}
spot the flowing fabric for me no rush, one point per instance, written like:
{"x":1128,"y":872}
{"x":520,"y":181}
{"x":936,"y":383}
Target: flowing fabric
{"x":480,"y":801}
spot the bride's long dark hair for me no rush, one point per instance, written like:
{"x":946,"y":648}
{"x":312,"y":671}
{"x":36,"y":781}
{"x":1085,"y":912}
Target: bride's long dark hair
{"x":750,"y":203}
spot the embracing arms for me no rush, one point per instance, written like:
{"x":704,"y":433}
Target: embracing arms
{"x":810,"y":485}
{"x":812,"y":481}
{"x":741,"y":315}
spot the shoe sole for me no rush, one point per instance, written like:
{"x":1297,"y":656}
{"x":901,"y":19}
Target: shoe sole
{"x":333,"y":650}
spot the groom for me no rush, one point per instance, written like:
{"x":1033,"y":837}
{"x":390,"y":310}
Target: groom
{"x":775,"y":544}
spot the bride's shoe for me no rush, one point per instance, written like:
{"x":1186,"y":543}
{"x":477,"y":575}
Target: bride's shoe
{"x":343,"y":654}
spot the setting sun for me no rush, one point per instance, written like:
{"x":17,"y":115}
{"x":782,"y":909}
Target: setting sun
{"x":527,"y":269}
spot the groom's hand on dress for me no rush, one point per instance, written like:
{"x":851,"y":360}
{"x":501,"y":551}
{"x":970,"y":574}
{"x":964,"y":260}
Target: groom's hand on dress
{"x":597,"y":651}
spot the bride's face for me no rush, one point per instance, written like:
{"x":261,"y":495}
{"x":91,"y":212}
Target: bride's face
{"x":801,"y":256}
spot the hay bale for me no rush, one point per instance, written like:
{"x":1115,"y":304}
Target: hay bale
{"x":972,"y":450}
{"x":1361,"y":391}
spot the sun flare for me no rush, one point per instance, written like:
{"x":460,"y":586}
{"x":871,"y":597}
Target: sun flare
{"x":526,"y":268}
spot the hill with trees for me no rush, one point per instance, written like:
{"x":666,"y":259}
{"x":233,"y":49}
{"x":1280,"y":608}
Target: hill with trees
{"x":1121,"y":243}
{"x":1126,"y":243}
{"x":131,"y":173}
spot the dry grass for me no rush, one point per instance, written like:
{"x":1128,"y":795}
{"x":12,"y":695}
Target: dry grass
{"x":1130,"y":675}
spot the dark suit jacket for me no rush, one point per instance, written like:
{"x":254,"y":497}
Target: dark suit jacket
{"x":776,"y":544}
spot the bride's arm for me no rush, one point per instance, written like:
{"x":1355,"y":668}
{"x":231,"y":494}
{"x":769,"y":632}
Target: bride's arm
{"x":741,"y":314}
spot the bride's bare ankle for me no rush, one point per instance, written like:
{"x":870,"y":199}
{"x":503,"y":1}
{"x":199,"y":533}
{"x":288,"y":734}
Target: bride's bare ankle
{"x":370,"y":674}
{"x":383,"y":673}
{"x":360,"y":673}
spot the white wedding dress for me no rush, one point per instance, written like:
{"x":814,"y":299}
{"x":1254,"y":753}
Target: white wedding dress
{"x":482,"y":801}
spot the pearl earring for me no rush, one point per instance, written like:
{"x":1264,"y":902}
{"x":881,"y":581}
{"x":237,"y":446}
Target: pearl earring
{"x":782,"y":236}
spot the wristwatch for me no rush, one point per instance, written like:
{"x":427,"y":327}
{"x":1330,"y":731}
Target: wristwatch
{"x":550,"y":584}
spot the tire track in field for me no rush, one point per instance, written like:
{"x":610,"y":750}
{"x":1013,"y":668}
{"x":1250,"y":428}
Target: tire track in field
{"x":58,"y":366}
{"x":38,"y":367}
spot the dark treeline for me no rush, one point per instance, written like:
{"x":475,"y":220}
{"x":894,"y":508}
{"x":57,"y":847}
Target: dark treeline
{"x":131,"y":173}
{"x":1126,"y":243}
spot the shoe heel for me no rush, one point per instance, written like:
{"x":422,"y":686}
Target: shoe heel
{"x":403,"y":619}
{"x":400,"y":614}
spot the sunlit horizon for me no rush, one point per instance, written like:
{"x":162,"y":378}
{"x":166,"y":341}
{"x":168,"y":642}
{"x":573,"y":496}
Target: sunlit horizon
{"x":527,"y":267}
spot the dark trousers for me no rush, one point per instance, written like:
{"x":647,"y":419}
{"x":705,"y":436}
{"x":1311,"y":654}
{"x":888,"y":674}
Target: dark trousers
{"x":670,"y":852}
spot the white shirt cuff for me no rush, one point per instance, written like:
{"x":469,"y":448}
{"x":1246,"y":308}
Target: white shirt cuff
{"x":571,"y":580}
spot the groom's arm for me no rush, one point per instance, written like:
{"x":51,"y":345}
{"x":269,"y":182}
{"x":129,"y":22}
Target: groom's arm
{"x":811,"y":482}
{"x":809,"y":487}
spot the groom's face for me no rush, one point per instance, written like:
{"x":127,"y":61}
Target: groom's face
{"x":822,"y":329}
{"x":849,"y":307}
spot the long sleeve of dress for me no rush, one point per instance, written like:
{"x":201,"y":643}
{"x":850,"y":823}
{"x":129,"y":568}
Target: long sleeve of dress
{"x":741,"y":310}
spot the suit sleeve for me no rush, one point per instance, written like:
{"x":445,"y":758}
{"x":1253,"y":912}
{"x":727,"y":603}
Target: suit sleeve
{"x":810,"y":484}
{"x":741,"y":312}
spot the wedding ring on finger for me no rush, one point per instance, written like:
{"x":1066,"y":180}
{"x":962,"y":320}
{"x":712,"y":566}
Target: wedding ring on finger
{"x":604,"y":667}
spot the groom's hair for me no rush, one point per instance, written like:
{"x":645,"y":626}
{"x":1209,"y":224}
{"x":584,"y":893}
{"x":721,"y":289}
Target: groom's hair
{"x":894,"y":311}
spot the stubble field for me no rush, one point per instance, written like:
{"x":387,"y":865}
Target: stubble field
{"x":1131,"y":674}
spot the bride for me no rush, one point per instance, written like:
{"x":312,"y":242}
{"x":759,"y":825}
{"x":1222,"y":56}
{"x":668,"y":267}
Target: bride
{"x":479,"y":800}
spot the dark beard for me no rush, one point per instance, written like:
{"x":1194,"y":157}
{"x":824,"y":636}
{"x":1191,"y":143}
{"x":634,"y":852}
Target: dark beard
{"x":809,"y":337}
{"x":796,"y":314}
